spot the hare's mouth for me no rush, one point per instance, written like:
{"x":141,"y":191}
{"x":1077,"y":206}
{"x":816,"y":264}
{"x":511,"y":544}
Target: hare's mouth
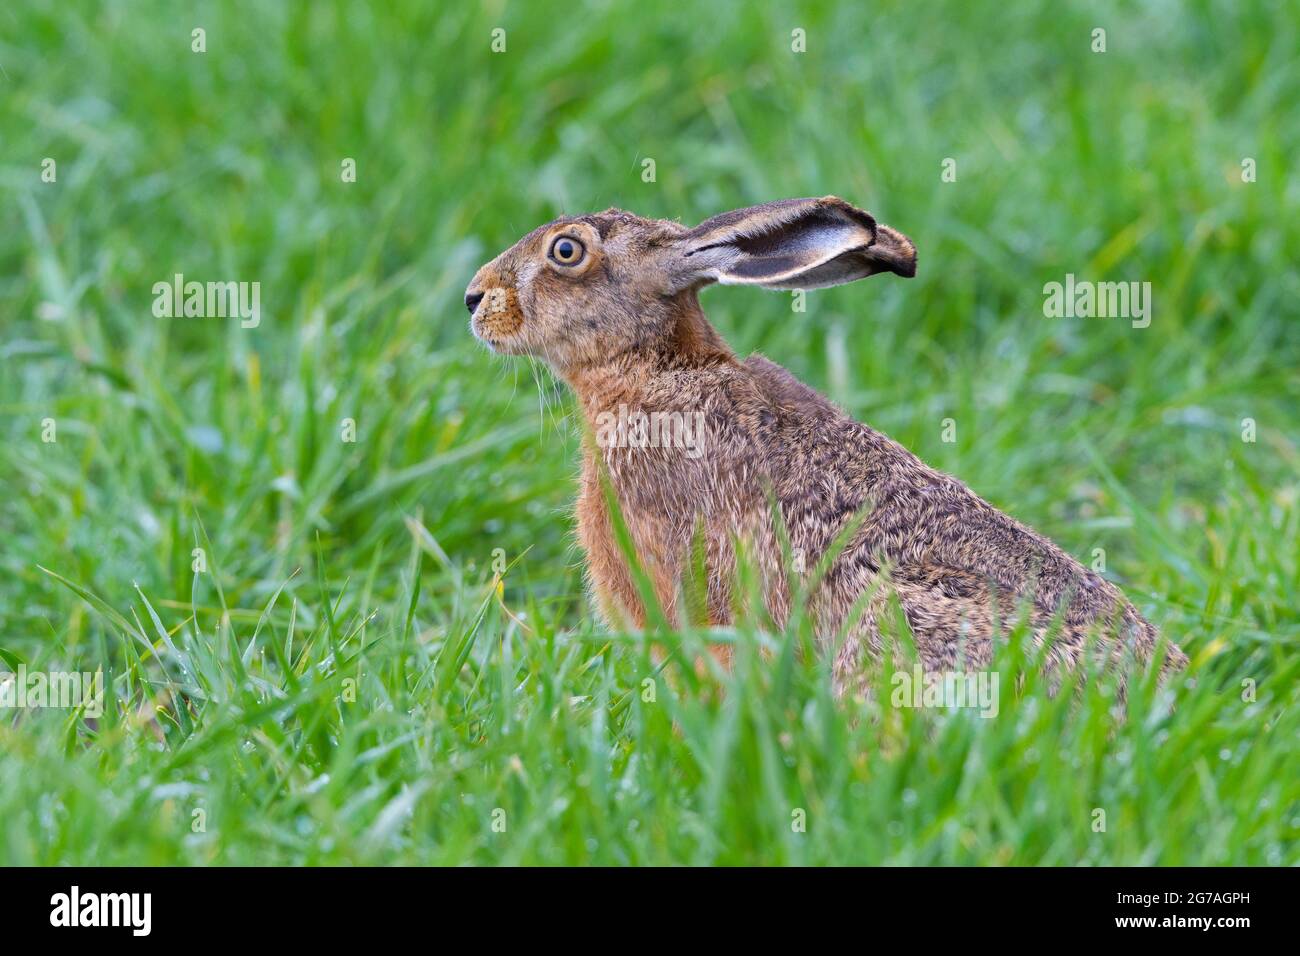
{"x":497,"y":345}
{"x":502,"y":344}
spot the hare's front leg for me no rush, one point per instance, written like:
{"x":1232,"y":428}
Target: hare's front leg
{"x":658,"y":546}
{"x":608,"y":577}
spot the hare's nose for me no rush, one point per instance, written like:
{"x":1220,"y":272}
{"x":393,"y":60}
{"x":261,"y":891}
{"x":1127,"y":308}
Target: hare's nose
{"x":472,"y":299}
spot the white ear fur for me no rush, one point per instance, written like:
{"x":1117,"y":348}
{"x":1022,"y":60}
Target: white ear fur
{"x":795,"y":244}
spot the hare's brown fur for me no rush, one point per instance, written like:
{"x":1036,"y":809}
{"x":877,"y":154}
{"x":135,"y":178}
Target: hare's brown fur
{"x":625,"y":328}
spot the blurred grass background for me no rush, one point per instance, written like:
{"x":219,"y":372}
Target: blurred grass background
{"x":371,"y":560}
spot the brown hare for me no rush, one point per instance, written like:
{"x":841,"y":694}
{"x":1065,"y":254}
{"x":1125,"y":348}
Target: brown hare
{"x":609,"y":300}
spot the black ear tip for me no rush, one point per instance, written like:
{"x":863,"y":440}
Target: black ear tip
{"x":894,"y":251}
{"x":901,"y":262}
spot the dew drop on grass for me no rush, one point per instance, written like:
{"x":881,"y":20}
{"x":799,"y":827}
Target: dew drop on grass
{"x":206,"y":439}
{"x":287,"y":485}
{"x":148,"y":523}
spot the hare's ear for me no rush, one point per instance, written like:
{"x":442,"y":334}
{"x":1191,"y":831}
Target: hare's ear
{"x":794,"y":244}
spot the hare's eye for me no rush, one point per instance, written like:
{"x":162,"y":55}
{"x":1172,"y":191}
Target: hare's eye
{"x":567,"y":251}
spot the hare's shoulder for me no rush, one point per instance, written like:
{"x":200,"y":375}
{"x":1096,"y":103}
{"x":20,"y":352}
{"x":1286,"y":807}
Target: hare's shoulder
{"x":781,"y":388}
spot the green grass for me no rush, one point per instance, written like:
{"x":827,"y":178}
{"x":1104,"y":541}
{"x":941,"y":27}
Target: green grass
{"x":347,"y":683}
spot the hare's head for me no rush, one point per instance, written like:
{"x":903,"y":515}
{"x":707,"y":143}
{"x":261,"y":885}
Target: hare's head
{"x":583,"y":289}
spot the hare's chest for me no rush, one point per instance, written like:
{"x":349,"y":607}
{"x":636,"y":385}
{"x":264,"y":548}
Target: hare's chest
{"x":606,"y":541}
{"x":643,"y":514}
{"x":663,"y":516}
